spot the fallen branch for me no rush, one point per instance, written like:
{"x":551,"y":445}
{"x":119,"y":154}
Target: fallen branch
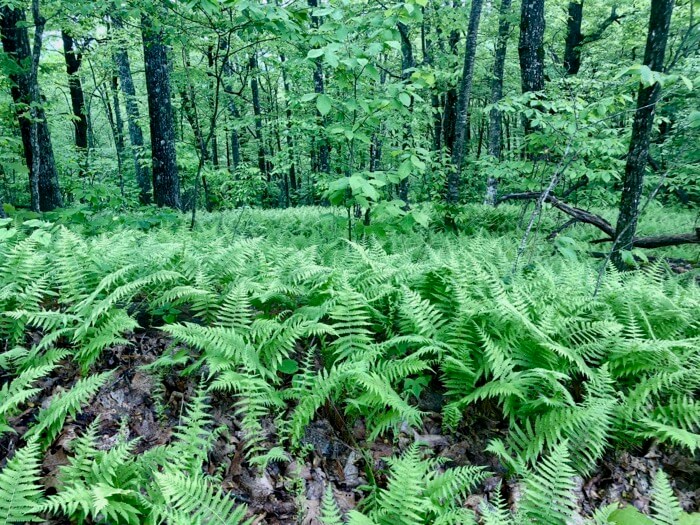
{"x":657,"y":241}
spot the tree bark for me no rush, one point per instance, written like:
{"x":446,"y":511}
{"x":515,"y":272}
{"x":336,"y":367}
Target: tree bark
{"x":459,"y":149}
{"x":494,"y":138}
{"x":647,"y":97}
{"x":166,"y":182}
{"x":531,"y":49}
{"x":43,"y":177}
{"x":74,"y":59}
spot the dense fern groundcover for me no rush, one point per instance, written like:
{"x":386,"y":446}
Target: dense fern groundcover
{"x":281,"y":328}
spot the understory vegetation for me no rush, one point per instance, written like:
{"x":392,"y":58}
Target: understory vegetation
{"x":282,"y":330}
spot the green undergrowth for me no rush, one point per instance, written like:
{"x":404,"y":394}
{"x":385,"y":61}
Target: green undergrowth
{"x":277,"y":314}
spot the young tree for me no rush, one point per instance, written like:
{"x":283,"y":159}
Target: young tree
{"x":638,"y":154}
{"x":166,"y":182}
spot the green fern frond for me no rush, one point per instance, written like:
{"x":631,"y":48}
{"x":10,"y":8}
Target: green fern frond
{"x":192,"y":497}
{"x":20,"y":492}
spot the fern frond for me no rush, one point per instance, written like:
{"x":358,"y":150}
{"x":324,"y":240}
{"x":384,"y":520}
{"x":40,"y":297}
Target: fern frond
{"x":20,"y":491}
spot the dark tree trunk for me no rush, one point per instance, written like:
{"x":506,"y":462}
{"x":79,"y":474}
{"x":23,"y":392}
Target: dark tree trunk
{"x":659,"y":23}
{"x":459,"y":149}
{"x":531,"y":49}
{"x":142,"y":173}
{"x":73,"y":61}
{"x":574,"y":37}
{"x":495,"y":138}
{"x":166,"y":182}
{"x":44,"y":187}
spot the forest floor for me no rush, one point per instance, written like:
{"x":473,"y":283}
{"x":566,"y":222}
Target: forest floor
{"x":278,"y":279}
{"x":292,"y":493}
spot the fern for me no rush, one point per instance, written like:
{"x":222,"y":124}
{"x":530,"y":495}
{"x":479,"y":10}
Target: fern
{"x":20,"y":492}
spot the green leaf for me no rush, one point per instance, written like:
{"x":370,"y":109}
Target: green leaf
{"x":405,"y":169}
{"x":315,"y":53}
{"x":308,"y":97}
{"x":288,"y":366}
{"x":405,"y":98}
{"x":646,"y":76}
{"x":323,"y":104}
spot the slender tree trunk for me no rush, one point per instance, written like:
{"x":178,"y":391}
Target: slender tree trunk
{"x":211,"y":62}
{"x":289,"y":139}
{"x":494,"y":146}
{"x":407,"y":64}
{"x":459,"y":149}
{"x":449,"y":114}
{"x":647,"y":97}
{"x":166,"y":182}
{"x":531,"y":49}
{"x":141,"y":172}
{"x":235,"y":143}
{"x":574,"y":37}
{"x":257,"y":112}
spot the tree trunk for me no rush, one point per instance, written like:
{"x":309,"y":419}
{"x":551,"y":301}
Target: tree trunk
{"x":531,"y":49}
{"x":659,"y":23}
{"x":257,"y":112}
{"x":459,"y":149}
{"x":166,"y":182}
{"x":494,"y":146}
{"x":73,"y":61}
{"x":574,"y":37}
{"x":43,"y":177}
{"x":213,"y":86}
